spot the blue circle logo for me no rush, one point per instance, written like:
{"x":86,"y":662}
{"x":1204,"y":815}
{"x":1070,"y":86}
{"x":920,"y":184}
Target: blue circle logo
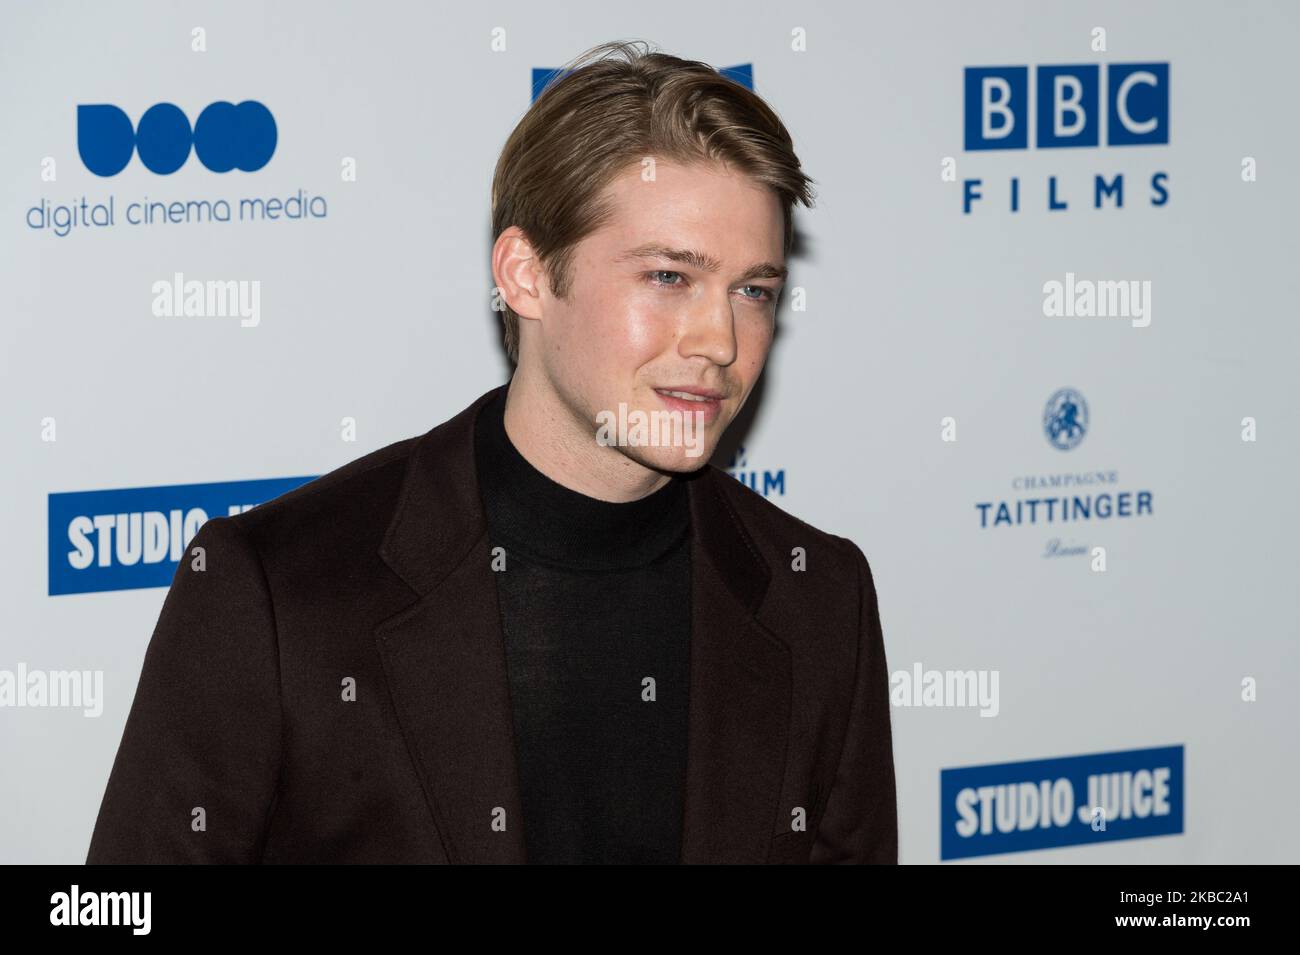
{"x":1065,"y":419}
{"x":226,"y":136}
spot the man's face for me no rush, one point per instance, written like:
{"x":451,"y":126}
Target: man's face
{"x":642,"y":316}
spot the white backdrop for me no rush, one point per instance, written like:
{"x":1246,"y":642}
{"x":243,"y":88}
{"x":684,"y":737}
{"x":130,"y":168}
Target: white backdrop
{"x":916,"y":312}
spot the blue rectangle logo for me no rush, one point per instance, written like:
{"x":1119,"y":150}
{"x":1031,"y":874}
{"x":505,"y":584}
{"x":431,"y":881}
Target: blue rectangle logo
{"x":1070,"y":105}
{"x":1067,"y":106}
{"x":997,"y":107}
{"x":1138,"y":103}
{"x":131,"y":538}
{"x":542,"y":77}
{"x":1069,"y":801}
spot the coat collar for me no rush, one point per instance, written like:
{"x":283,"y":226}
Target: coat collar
{"x":444,"y":658}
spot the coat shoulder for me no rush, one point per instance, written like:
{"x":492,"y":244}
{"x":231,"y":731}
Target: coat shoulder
{"x":348,"y":505}
{"x":777,"y":532}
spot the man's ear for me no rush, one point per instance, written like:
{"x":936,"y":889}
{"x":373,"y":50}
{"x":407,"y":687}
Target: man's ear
{"x":518,"y":272}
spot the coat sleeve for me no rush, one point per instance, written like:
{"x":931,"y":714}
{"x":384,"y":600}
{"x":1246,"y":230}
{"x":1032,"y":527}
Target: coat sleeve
{"x":196,"y":772}
{"x":860,"y":822}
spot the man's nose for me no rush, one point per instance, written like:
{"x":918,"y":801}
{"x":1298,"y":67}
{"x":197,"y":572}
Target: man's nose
{"x":711,"y":330}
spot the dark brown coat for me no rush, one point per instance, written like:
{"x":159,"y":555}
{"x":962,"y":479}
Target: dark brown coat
{"x":380,"y":572}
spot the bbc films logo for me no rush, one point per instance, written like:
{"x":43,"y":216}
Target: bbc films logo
{"x":1021,"y":109}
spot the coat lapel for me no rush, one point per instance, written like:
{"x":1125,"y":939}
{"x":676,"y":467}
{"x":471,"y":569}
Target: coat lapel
{"x":445,"y":665}
{"x":444,"y":660}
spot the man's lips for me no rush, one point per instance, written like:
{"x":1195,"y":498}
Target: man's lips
{"x":704,"y":402}
{"x":691,"y":390}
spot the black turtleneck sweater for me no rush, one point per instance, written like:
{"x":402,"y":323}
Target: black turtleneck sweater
{"x":595,"y":604}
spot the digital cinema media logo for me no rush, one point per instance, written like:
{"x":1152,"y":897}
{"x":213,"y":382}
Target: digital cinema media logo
{"x":1050,"y":803}
{"x":132,"y":538}
{"x":1078,"y":106}
{"x":225,"y":137}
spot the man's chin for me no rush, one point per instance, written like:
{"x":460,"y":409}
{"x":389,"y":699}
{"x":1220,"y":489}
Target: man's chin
{"x":674,"y":460}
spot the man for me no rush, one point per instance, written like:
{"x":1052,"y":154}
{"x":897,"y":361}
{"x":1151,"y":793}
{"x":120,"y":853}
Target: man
{"x":522,"y":636}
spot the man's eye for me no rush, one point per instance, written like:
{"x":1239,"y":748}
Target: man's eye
{"x":665,"y":278}
{"x":655,"y":278}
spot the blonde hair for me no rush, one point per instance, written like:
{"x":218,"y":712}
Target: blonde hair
{"x":615,"y":105}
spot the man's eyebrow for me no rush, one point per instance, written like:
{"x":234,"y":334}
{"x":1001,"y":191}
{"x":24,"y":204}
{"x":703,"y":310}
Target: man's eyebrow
{"x":703,"y":261}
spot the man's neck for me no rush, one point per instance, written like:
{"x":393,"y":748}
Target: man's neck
{"x":543,"y":429}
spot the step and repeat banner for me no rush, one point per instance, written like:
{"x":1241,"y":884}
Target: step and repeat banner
{"x":1040,"y":365}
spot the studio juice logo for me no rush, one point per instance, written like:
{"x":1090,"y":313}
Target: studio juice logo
{"x":1069,"y":801}
{"x":1084,"y":106}
{"x":225,"y":138}
{"x":129,"y":538}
